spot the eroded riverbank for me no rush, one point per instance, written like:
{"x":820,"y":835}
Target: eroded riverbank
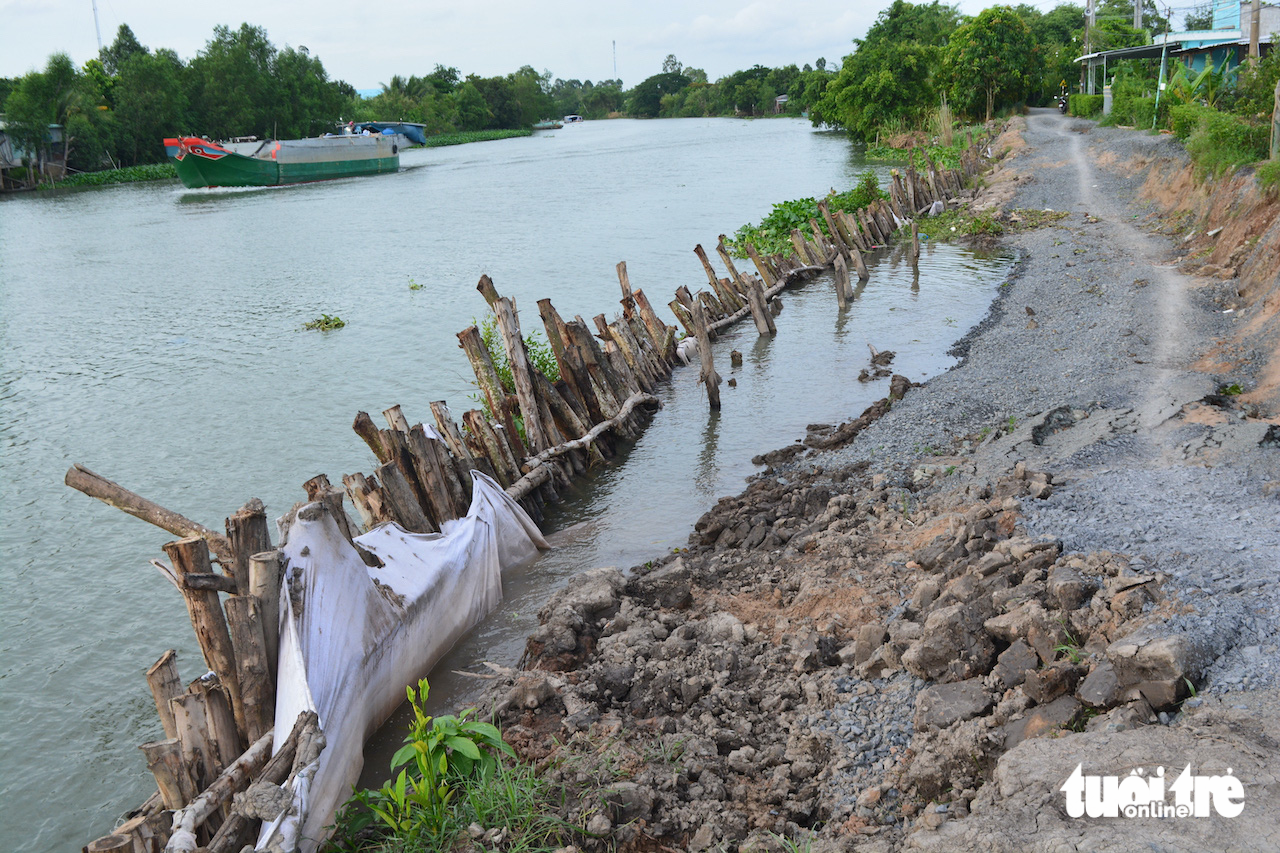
{"x":1033,"y":561}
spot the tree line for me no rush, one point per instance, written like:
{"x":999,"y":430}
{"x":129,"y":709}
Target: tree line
{"x":116,"y":109}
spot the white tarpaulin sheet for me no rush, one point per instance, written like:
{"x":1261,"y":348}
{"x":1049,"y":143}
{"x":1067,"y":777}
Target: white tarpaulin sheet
{"x":352,"y":637}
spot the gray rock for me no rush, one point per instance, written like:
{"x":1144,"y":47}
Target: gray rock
{"x":1013,"y":663}
{"x":942,"y":705}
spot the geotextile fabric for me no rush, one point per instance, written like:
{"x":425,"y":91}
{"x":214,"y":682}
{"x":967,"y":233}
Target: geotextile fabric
{"x":353,"y":637}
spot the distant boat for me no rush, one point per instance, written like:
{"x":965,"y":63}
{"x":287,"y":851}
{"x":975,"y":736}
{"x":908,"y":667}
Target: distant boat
{"x":547,"y":125}
{"x":272,"y":162}
{"x":572,"y":119}
{"x":411,"y":130}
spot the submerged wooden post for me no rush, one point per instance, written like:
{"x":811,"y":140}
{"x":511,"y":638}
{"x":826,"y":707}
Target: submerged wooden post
{"x":659,"y":332}
{"x":843,"y":290}
{"x":191,"y":556}
{"x":709,"y":378}
{"x":759,"y":310}
{"x":915,"y":245}
{"x":624,"y":281}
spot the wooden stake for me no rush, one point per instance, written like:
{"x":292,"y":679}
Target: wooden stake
{"x":164,"y":760}
{"x":82,"y":479}
{"x":487,"y":380}
{"x":765,"y":271}
{"x":842,"y":282}
{"x":265,"y":579}
{"x":915,"y":245}
{"x":199,"y":753}
{"x":659,"y":332}
{"x":249,"y":641}
{"x":727,"y":259}
{"x":404,"y":504}
{"x":521,"y":369}
{"x":368,"y":430}
{"x":498,"y":453}
{"x":683,"y":315}
{"x":628,"y":301}
{"x":191,"y":556}
{"x":759,"y":311}
{"x":111,"y":844}
{"x":164,"y":682}
{"x":709,"y":378}
{"x":248,"y":533}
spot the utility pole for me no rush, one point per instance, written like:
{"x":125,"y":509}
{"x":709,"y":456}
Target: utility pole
{"x":1086,"y":70}
{"x":1255,"y":21}
{"x":1137,"y":14}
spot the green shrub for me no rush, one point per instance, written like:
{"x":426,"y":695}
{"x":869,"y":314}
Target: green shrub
{"x":129,"y":174}
{"x":1269,"y":176}
{"x":466,"y":136}
{"x":1219,"y":141}
{"x":773,"y":234}
{"x":1085,"y":106}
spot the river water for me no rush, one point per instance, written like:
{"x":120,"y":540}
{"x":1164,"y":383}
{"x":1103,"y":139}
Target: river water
{"x":155,"y":335}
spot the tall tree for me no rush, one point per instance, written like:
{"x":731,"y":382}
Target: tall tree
{"x":150,"y":105}
{"x":890,"y":77}
{"x":991,"y":61}
{"x":115,"y":55}
{"x":645,"y":100}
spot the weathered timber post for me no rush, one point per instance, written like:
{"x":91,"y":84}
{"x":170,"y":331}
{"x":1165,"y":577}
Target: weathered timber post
{"x":191,"y":556}
{"x":766,"y":272}
{"x":487,"y":380}
{"x":726,"y":259}
{"x":249,"y":534}
{"x":518,"y":359}
{"x":257,"y":688}
{"x":842,"y":282}
{"x":404,"y":503}
{"x":164,"y":682}
{"x":364,"y":427}
{"x":173,"y":778}
{"x":659,"y":332}
{"x":915,"y":246}
{"x":94,"y":485}
{"x":265,"y":576}
{"x":111,"y":844}
{"x":759,"y":311}
{"x":628,"y":301}
{"x":710,"y":379}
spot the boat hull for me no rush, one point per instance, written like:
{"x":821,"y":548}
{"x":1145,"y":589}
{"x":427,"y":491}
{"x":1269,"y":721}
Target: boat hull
{"x":201,"y":163}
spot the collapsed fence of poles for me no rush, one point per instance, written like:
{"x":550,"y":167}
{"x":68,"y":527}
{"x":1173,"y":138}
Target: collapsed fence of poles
{"x":534,"y":434}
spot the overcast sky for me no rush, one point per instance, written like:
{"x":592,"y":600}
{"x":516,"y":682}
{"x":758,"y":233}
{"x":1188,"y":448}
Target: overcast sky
{"x":366,"y":43}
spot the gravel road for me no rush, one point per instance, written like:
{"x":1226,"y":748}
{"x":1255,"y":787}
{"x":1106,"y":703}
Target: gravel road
{"x":1098,"y":322}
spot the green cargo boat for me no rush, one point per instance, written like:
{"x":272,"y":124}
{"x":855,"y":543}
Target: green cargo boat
{"x":272,"y":162}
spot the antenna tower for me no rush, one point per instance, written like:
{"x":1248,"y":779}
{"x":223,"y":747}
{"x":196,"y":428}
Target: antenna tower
{"x":97,"y":29}
{"x":615,"y":59}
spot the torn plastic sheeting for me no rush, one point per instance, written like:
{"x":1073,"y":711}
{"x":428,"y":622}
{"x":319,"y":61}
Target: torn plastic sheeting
{"x":349,"y":646}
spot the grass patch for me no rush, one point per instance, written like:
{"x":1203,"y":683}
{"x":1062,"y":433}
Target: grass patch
{"x":1023,"y":219}
{"x":463,"y":137}
{"x":1269,"y":176}
{"x":951,"y":224}
{"x":127,"y":175}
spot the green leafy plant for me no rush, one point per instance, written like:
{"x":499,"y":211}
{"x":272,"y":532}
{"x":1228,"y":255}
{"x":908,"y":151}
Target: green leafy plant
{"x":773,"y":234}
{"x":463,"y":137}
{"x":413,"y":285}
{"x":325,"y":323}
{"x":1231,"y":390}
{"x":441,"y":756}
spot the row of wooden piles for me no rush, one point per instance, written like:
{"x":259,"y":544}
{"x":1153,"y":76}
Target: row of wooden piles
{"x":533,"y":440}
{"x":218,"y":729}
